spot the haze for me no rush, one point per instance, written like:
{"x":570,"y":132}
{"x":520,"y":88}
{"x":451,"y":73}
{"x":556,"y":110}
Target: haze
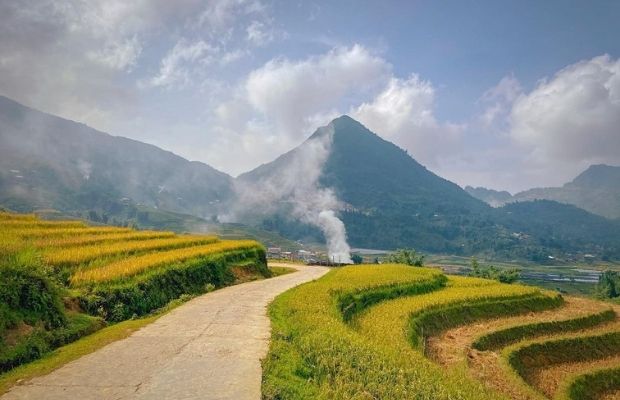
{"x":507,"y":96}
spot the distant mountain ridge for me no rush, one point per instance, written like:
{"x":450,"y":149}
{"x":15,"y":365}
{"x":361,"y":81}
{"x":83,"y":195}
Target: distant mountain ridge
{"x":390,"y":200}
{"x":386,"y":198}
{"x":596,"y":190}
{"x":50,"y":162}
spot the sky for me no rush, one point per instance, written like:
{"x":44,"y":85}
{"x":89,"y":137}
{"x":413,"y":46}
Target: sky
{"x":503,"y":94}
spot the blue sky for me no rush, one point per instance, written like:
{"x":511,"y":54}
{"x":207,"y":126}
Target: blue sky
{"x":508,"y":95}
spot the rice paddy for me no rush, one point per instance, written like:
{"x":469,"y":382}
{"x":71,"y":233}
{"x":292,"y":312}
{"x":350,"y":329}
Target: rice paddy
{"x":453,"y":338}
{"x":67,"y":279}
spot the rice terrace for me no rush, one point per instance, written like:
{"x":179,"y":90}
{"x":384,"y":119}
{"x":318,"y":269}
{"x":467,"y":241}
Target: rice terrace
{"x":309,"y":200}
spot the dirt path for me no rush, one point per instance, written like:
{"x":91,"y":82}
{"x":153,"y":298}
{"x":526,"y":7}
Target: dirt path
{"x":209,"y":348}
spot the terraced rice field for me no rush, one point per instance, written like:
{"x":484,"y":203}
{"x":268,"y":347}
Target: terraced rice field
{"x":399,"y":332}
{"x":67,"y":279}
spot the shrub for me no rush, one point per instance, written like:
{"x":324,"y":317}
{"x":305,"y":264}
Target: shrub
{"x":504,"y":337}
{"x":152,"y":290}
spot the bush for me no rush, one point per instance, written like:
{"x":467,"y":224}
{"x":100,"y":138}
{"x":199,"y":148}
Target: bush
{"x":407,"y":257}
{"x":147,"y":292}
{"x":491,"y":272}
{"x":28,"y":292}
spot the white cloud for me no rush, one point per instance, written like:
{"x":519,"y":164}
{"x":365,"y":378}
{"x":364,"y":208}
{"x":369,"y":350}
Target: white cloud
{"x":119,"y":55}
{"x":176,"y":65}
{"x":289,"y":92}
{"x":573,"y":117}
{"x":276,"y":106}
{"x":404,"y":113}
{"x":498,"y":101}
{"x":259,"y":33}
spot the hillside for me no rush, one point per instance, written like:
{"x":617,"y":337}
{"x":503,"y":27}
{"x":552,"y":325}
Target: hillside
{"x":413,"y":333}
{"x":494,"y":198}
{"x":64,"y":279}
{"x":596,"y":190}
{"x":389,"y":200}
{"x":50,"y":162}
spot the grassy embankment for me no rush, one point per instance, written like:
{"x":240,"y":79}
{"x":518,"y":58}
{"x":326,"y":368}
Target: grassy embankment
{"x":363,"y":332}
{"x":62,"y":280}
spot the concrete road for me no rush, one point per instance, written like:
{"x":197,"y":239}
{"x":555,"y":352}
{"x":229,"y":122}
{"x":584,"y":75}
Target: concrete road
{"x":209,"y":348}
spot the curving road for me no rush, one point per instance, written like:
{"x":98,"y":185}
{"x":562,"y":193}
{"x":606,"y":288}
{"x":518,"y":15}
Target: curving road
{"x":209,"y":348}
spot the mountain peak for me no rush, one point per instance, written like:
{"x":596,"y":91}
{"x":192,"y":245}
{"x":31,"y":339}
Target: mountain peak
{"x":597,"y":175}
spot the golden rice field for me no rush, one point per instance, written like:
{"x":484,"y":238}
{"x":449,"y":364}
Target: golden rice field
{"x":414,"y":335}
{"x":62,"y":280}
{"x":130,"y":266}
{"x":105,"y":254}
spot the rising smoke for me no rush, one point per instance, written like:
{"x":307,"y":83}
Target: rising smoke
{"x":296,"y":184}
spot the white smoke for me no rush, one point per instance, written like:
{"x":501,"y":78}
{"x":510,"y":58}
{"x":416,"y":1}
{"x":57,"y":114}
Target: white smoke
{"x":297,"y":186}
{"x":85,"y":169}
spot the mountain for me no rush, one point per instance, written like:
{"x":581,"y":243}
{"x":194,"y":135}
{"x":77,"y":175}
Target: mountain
{"x":390,"y":201}
{"x":50,"y":162}
{"x":494,"y":198}
{"x":596,"y":190}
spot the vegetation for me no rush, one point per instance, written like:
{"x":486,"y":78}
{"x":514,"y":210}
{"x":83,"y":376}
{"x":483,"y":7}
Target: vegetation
{"x":608,"y":286}
{"x":504,"y":337}
{"x":491,"y":272}
{"x":592,"y":385}
{"x":61,"y":280}
{"x":362,"y":332}
{"x":406,"y":256}
{"x":527,"y":357}
{"x":316,"y":353}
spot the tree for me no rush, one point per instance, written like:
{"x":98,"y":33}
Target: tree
{"x":406,"y":256}
{"x":491,"y":272}
{"x":357,"y":259}
{"x":608,"y":286}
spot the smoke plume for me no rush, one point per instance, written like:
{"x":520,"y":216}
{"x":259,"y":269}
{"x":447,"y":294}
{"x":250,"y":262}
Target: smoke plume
{"x":295,"y":186}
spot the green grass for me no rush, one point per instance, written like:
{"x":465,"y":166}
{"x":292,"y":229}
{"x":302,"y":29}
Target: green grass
{"x":527,"y":356}
{"x":431,"y":321}
{"x":82,"y":347}
{"x":70,"y":352}
{"x":504,"y":337}
{"x":591,"y":385}
{"x":315,"y":354}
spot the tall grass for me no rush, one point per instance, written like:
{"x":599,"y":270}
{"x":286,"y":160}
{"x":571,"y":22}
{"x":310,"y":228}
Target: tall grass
{"x":31,"y":224}
{"x":591,"y":385}
{"x":83,"y":240}
{"x":135,"y":265}
{"x":504,"y":337}
{"x":315,"y":354}
{"x":523,"y":358}
{"x":71,"y":256}
{"x":46,"y":232}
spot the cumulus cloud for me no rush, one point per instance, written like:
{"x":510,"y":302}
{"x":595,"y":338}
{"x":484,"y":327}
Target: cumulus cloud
{"x":88,"y":61}
{"x":278,"y":105}
{"x":404,"y":113}
{"x":573,"y":117}
{"x":547,"y":135}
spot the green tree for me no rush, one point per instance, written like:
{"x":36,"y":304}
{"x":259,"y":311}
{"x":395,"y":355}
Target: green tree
{"x":406,"y":256}
{"x":608,"y":286}
{"x":491,"y":272}
{"x":357,"y":259}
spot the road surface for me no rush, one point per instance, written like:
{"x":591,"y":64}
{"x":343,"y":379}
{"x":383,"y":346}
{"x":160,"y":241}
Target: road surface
{"x":209,"y":348}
